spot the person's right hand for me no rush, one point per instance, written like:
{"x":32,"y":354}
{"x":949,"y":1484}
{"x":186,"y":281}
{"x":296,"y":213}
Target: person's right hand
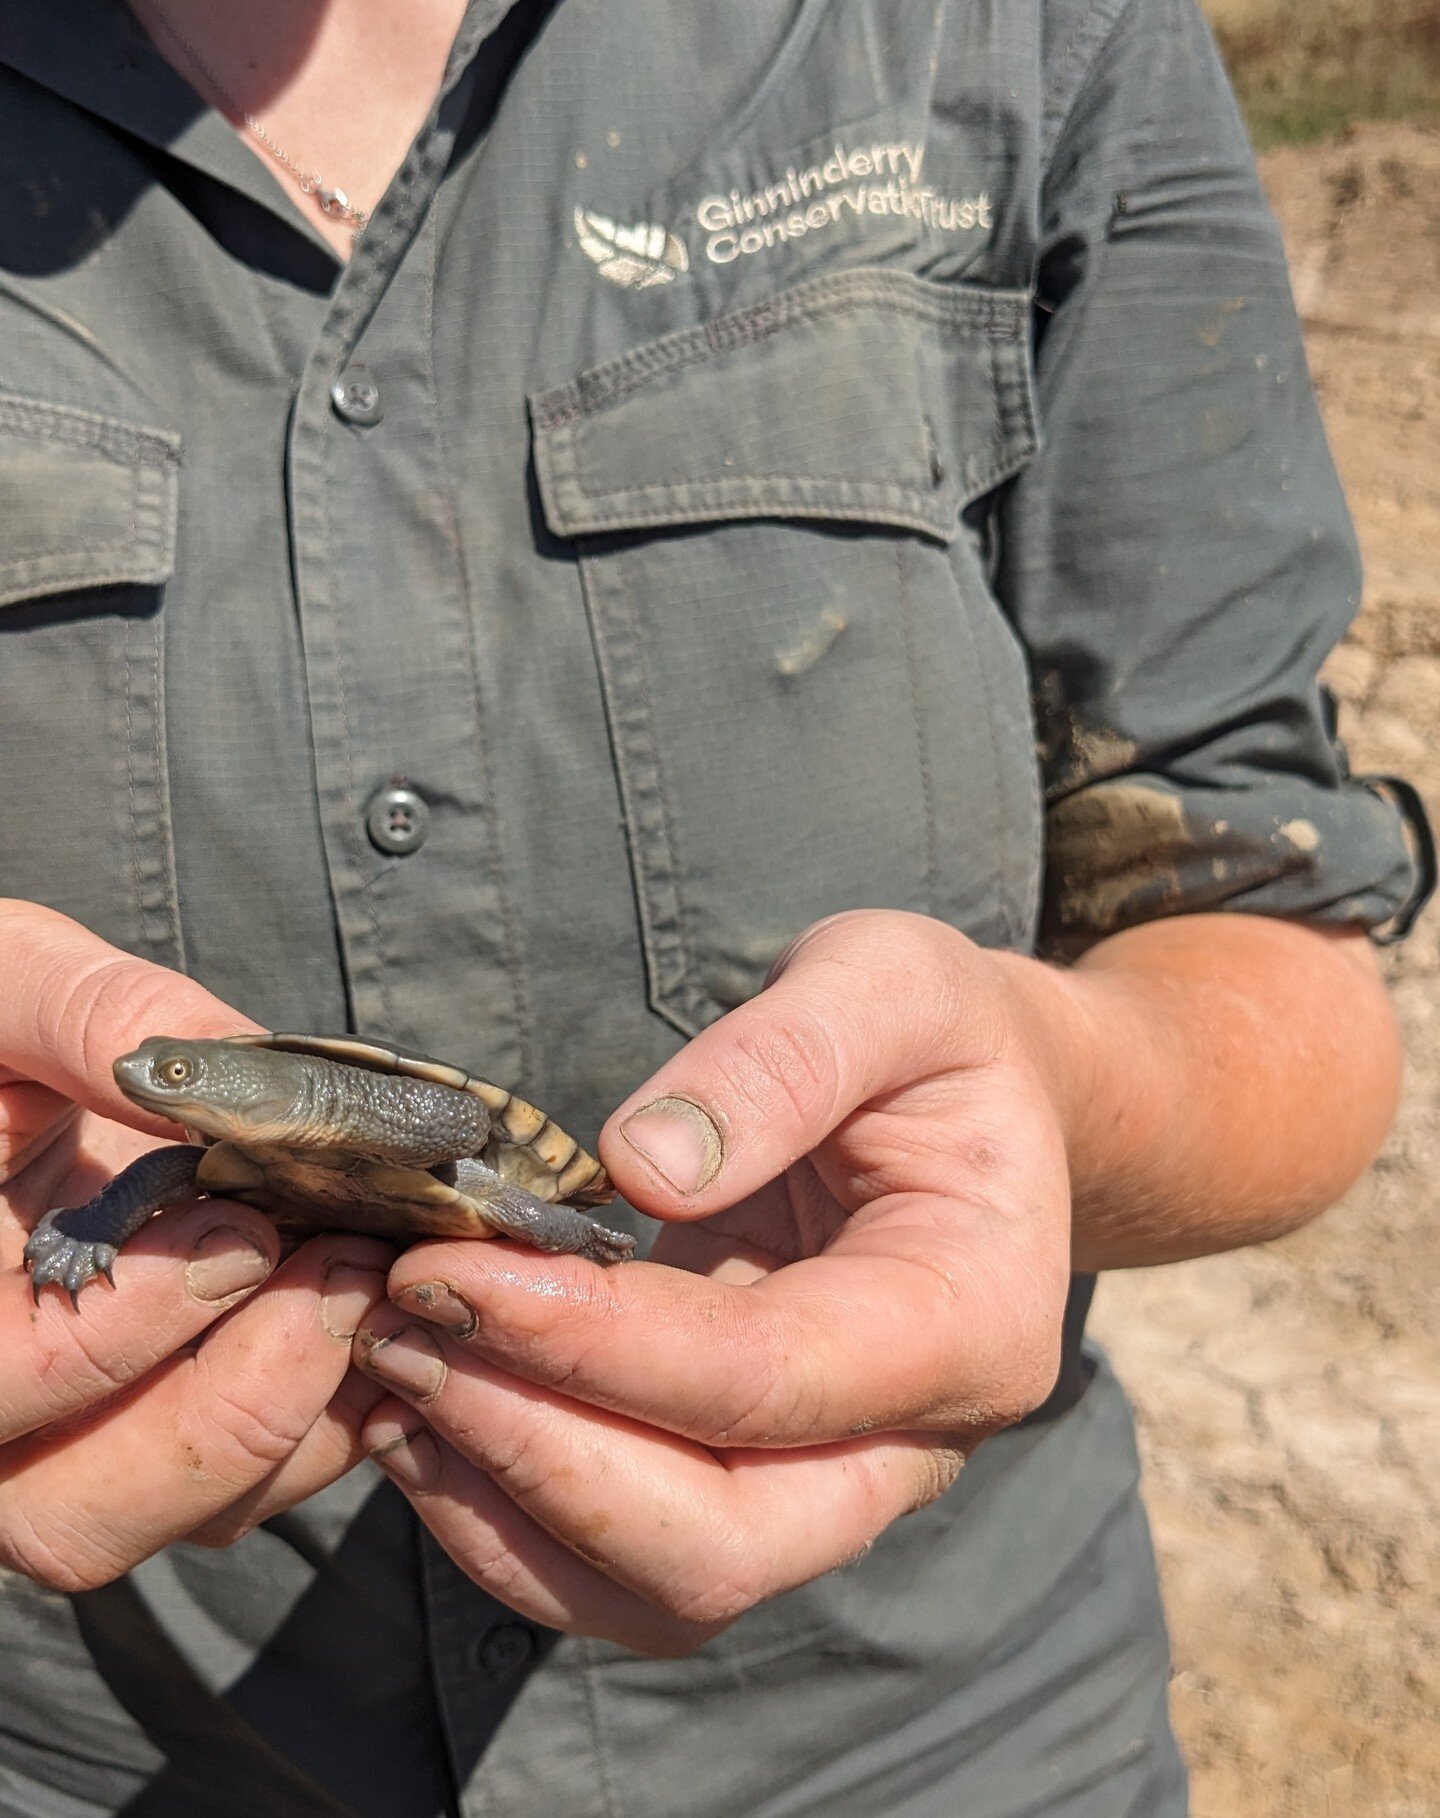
{"x":190,"y":1402}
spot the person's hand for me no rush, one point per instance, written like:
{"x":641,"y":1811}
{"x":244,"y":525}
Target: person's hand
{"x":865,"y":1274}
{"x":191,"y":1402}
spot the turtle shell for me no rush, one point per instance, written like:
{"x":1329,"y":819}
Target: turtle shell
{"x":525,"y":1147}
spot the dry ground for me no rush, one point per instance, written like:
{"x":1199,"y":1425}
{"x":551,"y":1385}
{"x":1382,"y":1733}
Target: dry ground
{"x":1289,"y":1398}
{"x":1305,"y":68}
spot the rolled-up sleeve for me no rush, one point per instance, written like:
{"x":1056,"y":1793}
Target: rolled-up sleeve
{"x":1179,"y":558}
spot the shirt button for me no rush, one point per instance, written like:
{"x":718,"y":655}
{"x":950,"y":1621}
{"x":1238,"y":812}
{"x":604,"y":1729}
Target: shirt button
{"x":398,"y":821}
{"x":356,"y":398}
{"x":504,"y":1649}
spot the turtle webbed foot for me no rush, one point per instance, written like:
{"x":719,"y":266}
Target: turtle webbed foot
{"x":605,"y":1246}
{"x":61,"y":1249}
{"x":74,"y":1244}
{"x":557,"y":1229}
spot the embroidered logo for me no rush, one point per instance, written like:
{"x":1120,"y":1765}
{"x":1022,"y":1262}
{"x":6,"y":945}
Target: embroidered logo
{"x":855,"y":182}
{"x":861,"y":184}
{"x":636,"y":256}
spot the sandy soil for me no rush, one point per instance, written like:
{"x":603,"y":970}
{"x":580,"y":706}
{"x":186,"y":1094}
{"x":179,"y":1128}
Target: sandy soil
{"x":1289,"y":1398}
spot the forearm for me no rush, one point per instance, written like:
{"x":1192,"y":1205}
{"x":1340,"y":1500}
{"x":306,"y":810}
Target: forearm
{"x":1221,"y":1080}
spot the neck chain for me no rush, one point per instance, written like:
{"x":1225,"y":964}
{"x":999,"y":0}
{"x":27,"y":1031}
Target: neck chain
{"x":329,"y":200}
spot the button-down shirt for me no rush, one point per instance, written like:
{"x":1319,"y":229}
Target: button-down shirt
{"x":741,"y":439}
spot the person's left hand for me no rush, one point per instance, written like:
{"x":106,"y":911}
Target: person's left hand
{"x":864,"y":1275}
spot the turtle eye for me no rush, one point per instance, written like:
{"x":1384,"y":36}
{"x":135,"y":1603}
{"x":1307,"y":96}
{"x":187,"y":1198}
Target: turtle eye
{"x":177,"y":1071}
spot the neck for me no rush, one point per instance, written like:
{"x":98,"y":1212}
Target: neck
{"x":329,"y":94}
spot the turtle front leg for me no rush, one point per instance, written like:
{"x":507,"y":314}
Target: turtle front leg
{"x":559,"y":1229}
{"x":73,"y":1244}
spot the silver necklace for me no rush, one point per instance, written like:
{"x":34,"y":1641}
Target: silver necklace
{"x":330,"y":199}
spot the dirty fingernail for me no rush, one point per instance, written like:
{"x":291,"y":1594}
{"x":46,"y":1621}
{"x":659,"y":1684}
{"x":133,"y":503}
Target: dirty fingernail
{"x":225,"y":1262}
{"x":348,"y":1295}
{"x":409,"y":1360}
{"x":437,"y":1303}
{"x":679,"y":1141}
{"x":413,"y":1459}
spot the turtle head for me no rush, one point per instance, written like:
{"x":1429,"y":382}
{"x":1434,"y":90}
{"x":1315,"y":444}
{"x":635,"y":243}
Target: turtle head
{"x":214,"y":1087}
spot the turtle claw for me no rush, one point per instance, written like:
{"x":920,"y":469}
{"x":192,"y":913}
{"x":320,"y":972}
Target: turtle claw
{"x":52,"y":1255}
{"x":605,"y":1246}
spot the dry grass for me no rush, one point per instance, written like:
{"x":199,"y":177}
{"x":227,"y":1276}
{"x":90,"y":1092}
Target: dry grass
{"x":1306,"y":68}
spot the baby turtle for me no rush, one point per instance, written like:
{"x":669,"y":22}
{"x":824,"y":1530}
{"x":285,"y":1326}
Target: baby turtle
{"x":335,"y":1133}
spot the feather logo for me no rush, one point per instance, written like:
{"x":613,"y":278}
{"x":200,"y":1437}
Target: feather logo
{"x":636,"y":256}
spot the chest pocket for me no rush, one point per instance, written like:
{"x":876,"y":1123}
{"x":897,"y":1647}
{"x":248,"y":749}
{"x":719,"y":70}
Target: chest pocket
{"x":815,"y":701}
{"x":88,"y":508}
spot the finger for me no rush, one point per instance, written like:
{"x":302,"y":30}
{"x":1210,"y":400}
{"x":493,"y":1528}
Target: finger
{"x":500,"y":1548}
{"x":701,"y":1537}
{"x":330,"y":1450}
{"x":76,"y":1003}
{"x":174,"y":1278}
{"x":80,"y":1507}
{"x":924,"y":1315}
{"x":862,"y":1004}
{"x":31,"y":1116}
{"x":333,"y":1446}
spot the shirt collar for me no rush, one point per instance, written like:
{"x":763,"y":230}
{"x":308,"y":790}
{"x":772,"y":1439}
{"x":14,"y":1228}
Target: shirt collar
{"x":95,"y":54}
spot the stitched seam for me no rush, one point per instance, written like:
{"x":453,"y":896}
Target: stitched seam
{"x":37,"y":422}
{"x":629,"y":808}
{"x":509,"y":936}
{"x":152,"y":914}
{"x":130,"y":774}
{"x":922,"y":749}
{"x":352,"y":821}
{"x":1000,"y":837}
{"x":691,"y":996}
{"x":1069,"y":60}
{"x":63,"y":580}
{"x":608,"y":1799}
{"x":997,"y":415}
{"x":729,"y":482}
{"x":133,"y":537}
{"x":626,"y":518}
{"x":1000,"y":314}
{"x":1020,"y":911}
{"x":369,"y":262}
{"x":622,"y":515}
{"x":596,"y":391}
{"x":867,"y":495}
{"x":1066,"y":62}
{"x":165,"y":833}
{"x":1029,"y":423}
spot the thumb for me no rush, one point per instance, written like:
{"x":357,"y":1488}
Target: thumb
{"x":70,"y":1004}
{"x":859,"y":1005}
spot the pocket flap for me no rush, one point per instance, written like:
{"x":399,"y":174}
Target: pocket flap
{"x":868,"y":395}
{"x":85,"y":500}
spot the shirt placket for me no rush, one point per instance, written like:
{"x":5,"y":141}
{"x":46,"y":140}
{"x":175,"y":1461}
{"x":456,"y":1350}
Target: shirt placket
{"x":401,"y":753}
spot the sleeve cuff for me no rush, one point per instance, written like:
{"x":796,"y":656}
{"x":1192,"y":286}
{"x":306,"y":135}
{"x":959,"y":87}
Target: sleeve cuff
{"x":1136,"y":848}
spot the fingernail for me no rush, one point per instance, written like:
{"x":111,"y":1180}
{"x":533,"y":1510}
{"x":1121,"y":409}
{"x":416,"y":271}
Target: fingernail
{"x":225,"y":1262}
{"x":679,"y":1141}
{"x":437,"y":1303}
{"x":413,"y":1459}
{"x":348,"y":1295}
{"x":409,"y":1359}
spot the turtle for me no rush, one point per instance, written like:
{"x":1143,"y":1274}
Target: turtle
{"x":334,"y":1132}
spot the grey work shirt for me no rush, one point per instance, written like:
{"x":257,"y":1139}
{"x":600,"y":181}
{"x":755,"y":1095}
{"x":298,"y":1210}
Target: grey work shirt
{"x":738,"y":434}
